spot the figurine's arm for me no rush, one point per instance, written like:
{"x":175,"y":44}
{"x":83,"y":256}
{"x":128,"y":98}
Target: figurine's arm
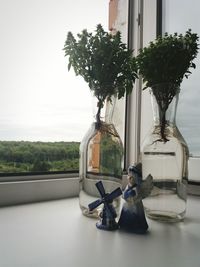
{"x":130,"y":194}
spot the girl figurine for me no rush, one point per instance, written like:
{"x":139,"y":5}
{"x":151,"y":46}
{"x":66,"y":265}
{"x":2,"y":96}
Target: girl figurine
{"x":132,"y":218}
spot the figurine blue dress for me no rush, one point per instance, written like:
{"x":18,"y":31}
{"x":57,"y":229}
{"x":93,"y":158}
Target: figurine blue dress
{"x":132,"y":218}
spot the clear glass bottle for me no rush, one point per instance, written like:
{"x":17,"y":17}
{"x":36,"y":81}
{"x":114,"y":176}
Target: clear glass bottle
{"x":101,"y":158}
{"x":165,"y":157}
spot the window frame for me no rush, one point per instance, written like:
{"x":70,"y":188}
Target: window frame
{"x":21,"y":188}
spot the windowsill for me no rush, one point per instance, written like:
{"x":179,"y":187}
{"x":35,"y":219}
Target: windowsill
{"x":55,"y":233}
{"x":16,"y":190}
{"x":34,"y":188}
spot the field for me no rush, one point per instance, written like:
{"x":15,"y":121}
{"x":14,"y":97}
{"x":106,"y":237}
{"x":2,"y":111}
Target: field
{"x":22,"y":156}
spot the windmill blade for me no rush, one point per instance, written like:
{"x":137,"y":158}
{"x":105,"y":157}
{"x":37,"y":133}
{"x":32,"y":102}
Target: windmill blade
{"x":100,"y":188}
{"x":116,"y":193}
{"x":94,"y":204}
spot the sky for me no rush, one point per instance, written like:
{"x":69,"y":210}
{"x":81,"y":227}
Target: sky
{"x":39,"y":99}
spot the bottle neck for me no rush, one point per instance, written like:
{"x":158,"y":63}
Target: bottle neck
{"x":164,"y":113}
{"x":104,"y":114}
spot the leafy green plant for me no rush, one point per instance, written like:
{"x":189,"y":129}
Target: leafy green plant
{"x":168,"y":59}
{"x":163,"y":65}
{"x":103,"y":61}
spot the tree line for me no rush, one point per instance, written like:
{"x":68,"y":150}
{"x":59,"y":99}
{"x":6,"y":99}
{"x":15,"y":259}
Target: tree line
{"x":24,"y":156}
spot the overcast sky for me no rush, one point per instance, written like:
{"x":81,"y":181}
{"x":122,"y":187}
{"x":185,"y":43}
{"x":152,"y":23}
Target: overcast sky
{"x":39,"y":98}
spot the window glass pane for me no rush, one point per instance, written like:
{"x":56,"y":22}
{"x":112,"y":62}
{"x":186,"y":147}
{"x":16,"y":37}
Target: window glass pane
{"x":179,"y":16}
{"x":40,"y":100}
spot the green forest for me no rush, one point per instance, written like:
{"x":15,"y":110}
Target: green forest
{"x":23,"y":156}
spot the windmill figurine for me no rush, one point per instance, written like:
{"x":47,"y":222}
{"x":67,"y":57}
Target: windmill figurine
{"x":108,"y":214}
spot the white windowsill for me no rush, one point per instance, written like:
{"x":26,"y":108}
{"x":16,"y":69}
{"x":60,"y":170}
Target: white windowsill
{"x":34,"y":188}
{"x":28,"y":189}
{"x":55,"y":233}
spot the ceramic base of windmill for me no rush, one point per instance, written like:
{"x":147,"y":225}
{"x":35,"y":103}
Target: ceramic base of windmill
{"x":107,"y":222}
{"x":111,"y":227}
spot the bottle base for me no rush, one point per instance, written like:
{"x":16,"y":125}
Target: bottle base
{"x":165,"y":216}
{"x":90,"y":214}
{"x":167,"y":201}
{"x":84,"y":200}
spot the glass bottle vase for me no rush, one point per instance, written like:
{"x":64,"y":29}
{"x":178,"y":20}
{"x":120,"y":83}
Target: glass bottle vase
{"x":101,"y":157}
{"x":165,"y":157}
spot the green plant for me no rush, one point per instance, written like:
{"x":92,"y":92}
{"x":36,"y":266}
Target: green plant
{"x":163,"y":65}
{"x":168,"y":58}
{"x":103,"y":61}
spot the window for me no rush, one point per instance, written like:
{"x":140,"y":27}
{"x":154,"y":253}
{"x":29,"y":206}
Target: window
{"x":41,"y":102}
{"x":145,"y":26}
{"x":188,"y":112}
{"x":33,"y":35}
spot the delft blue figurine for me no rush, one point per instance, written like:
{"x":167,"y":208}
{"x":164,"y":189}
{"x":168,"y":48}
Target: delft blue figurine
{"x":108,"y":214}
{"x":132,"y":218}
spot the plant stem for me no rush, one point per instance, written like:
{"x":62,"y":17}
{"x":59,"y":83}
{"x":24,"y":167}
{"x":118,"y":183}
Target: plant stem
{"x":163,"y":127}
{"x":100,"y":104}
{"x":98,"y":117}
